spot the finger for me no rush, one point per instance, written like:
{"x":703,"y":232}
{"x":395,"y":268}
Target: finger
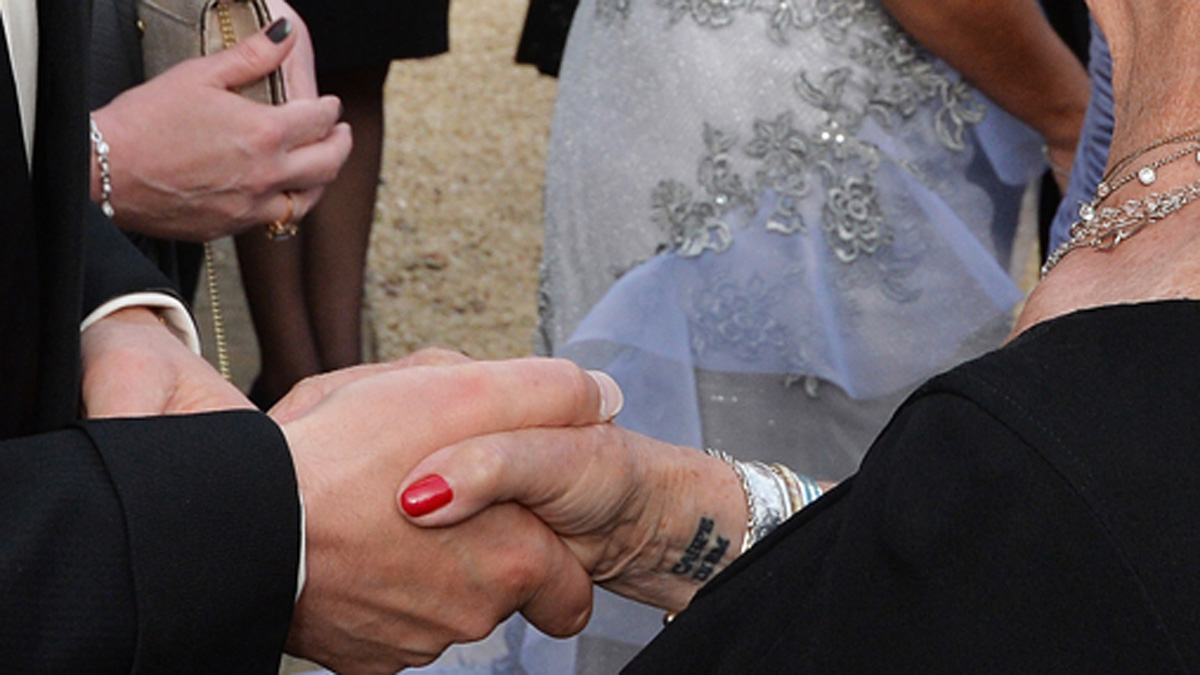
{"x":308,"y":393}
{"x":562,"y":605}
{"x":307,"y":121}
{"x":486,"y":397}
{"x":542,"y":469}
{"x":313,"y":390}
{"x":318,"y":163}
{"x":253,"y":58}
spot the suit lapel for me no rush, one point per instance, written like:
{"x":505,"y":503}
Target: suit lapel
{"x":18,"y":266}
{"x":61,"y":159}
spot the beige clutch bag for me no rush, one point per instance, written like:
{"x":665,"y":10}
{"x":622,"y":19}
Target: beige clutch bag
{"x":175,"y":30}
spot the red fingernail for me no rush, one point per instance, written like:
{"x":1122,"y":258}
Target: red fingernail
{"x":426,"y":496}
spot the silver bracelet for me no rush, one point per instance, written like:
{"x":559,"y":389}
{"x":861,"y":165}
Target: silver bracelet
{"x":101,"y":147}
{"x":801,"y":489}
{"x":768,"y":503}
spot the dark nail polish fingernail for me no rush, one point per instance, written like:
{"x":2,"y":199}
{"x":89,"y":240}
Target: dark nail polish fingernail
{"x":279,"y":30}
{"x":426,"y":496}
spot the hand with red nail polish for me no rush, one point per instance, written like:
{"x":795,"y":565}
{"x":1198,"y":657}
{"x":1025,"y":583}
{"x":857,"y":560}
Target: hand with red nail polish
{"x":626,"y":505}
{"x":381,"y":593}
{"x":426,"y":496}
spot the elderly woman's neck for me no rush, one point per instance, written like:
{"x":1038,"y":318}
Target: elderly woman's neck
{"x":1156,"y":61}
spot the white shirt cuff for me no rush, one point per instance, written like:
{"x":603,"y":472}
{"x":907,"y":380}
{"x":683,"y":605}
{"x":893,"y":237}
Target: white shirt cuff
{"x":170,"y":308}
{"x":180,"y":321}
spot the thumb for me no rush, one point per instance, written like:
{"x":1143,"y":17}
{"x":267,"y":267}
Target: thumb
{"x":567,"y":476}
{"x":253,"y":58}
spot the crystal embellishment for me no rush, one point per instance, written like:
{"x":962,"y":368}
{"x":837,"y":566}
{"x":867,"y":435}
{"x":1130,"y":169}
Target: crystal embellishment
{"x":1147,"y":175}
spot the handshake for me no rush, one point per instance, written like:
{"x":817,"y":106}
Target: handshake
{"x":441,"y":495}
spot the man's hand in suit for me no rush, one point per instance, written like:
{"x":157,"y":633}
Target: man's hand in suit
{"x":193,"y":160}
{"x":382,"y":594}
{"x":133,"y":365}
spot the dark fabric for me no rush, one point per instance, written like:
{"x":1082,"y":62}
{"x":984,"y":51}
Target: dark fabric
{"x":213,"y":551}
{"x":544,"y":37}
{"x":145,"y":546}
{"x":361,"y":33}
{"x":1070,"y":20}
{"x":1033,"y":511}
{"x":18,"y":368}
{"x":116,"y":65}
{"x":126,"y":548}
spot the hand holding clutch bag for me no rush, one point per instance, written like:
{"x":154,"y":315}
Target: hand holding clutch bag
{"x":176,"y":30}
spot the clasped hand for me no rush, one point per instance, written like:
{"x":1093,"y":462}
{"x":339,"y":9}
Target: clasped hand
{"x":381,"y":593}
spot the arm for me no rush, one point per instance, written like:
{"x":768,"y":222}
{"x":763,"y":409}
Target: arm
{"x":628,"y":506}
{"x":382,"y":594}
{"x":231,"y":159}
{"x":1008,"y":50}
{"x":127,"y":547}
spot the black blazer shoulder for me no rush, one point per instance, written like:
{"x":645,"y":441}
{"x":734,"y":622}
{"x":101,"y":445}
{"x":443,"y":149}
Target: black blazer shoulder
{"x":1032,"y":511}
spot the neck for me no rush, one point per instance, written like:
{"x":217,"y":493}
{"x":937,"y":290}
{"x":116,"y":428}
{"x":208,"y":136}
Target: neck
{"x":1152,"y":100}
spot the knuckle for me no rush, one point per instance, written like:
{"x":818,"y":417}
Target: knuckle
{"x":577,"y":384}
{"x":253,"y":54}
{"x":436,"y":356}
{"x":476,"y":627}
{"x":486,"y":459}
{"x":269,"y":134}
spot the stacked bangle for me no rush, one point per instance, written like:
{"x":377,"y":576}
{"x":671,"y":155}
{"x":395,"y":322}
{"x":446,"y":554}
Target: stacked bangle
{"x":773,"y":494}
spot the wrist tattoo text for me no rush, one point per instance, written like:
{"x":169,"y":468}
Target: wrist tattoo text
{"x":696,"y":562}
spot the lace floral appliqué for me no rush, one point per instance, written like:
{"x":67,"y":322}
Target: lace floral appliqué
{"x":885,"y":77}
{"x":738,"y":319}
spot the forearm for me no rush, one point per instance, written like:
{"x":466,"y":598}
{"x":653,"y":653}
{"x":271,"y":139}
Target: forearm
{"x":1008,"y":50}
{"x":691,"y":527}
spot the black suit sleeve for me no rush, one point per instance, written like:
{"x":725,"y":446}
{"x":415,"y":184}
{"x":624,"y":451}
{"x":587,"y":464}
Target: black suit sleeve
{"x":113,"y":266}
{"x":148,"y":546}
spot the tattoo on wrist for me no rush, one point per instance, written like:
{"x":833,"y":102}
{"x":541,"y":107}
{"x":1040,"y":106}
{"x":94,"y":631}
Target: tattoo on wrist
{"x":700,"y":559}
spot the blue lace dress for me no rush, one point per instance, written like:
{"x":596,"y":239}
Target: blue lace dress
{"x":769,"y":221}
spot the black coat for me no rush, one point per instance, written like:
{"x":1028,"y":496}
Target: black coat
{"x":1035,"y":511}
{"x":155,"y":545}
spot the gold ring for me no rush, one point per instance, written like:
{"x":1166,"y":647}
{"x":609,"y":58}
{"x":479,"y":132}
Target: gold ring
{"x":284,"y":228}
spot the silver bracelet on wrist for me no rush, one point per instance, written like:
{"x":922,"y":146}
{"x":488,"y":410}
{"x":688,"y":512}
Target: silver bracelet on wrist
{"x":101,"y":148}
{"x":773,"y":494}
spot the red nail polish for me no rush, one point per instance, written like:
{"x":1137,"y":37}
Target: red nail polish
{"x":426,"y":496}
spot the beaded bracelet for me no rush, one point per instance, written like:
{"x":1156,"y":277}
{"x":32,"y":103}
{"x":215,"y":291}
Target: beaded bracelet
{"x":101,"y":148}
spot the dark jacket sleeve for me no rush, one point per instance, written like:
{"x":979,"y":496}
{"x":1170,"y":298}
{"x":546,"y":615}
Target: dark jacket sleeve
{"x":148,"y":546}
{"x":112,"y":266}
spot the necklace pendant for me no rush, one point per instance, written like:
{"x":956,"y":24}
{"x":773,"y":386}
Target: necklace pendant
{"x":1086,"y":212}
{"x":1147,"y":176}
